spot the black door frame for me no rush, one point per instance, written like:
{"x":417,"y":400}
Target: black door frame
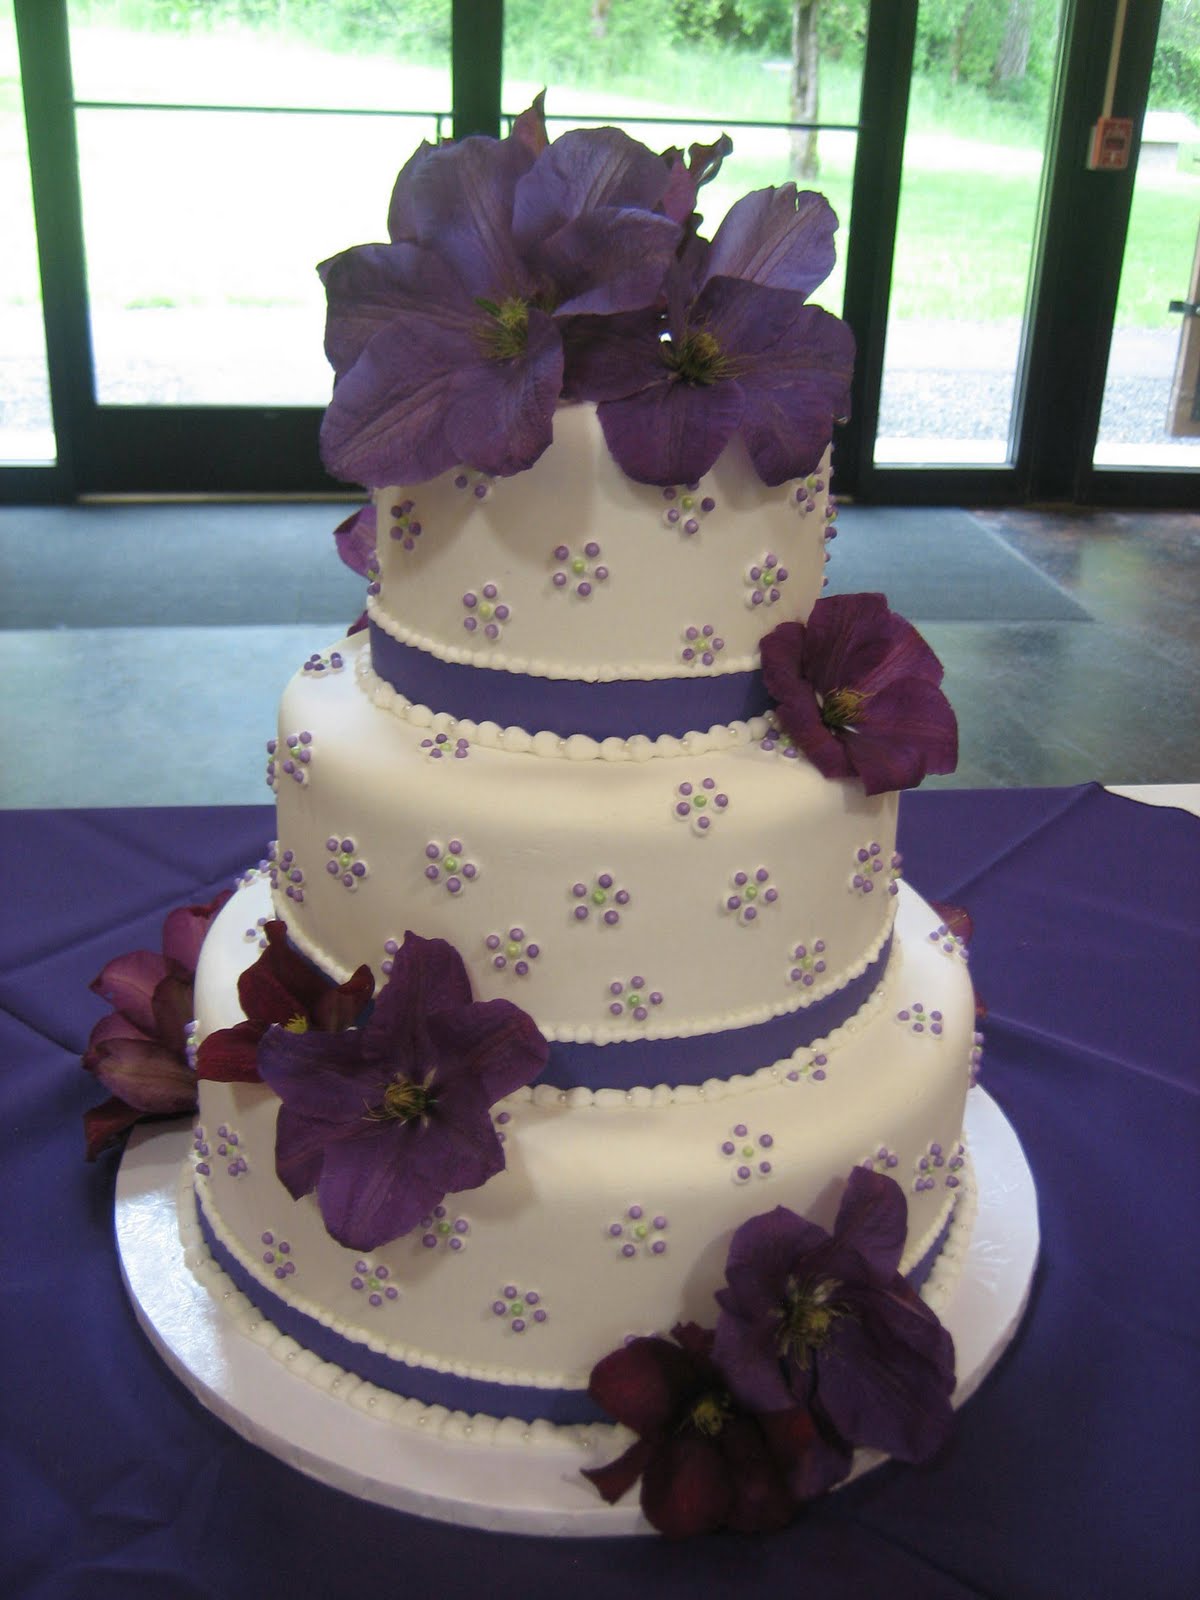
{"x":1079,"y":246}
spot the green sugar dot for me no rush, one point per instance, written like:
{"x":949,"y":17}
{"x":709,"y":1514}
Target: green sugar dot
{"x":598,"y":897}
{"x":640,"y":1231}
{"x":687,"y":502}
{"x":517,"y":1307}
{"x":700,"y":801}
{"x":451,"y":863}
{"x":444,"y":1228}
{"x":579,"y":564}
{"x":747,"y":1149}
{"x":487,"y":610}
{"x":751,"y":891}
{"x":512,"y":949}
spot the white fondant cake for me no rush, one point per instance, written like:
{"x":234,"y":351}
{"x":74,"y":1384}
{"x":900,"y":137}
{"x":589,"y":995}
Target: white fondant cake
{"x":703,"y":927}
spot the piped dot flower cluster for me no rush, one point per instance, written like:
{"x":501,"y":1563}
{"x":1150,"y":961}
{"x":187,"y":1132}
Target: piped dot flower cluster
{"x":373,"y":1281}
{"x":813,"y":1069}
{"x":291,"y":760}
{"x":323,"y":662}
{"x":580,"y":570}
{"x":751,"y":891}
{"x":440,"y":1228}
{"x":686,"y":508}
{"x":278,"y":1254}
{"x":765,"y":580}
{"x":257,"y":934}
{"x":519,"y":1309}
{"x":872,"y":866}
{"x":604,"y":897}
{"x":950,"y":944}
{"x":228,"y":1148}
{"x":701,"y":645}
{"x":975,"y":1060}
{"x":700,"y":804}
{"x":884,"y":1160}
{"x":632,"y":999}
{"x":448,"y":866}
{"x":344,"y":863}
{"x":512,"y":952}
{"x":936,"y":1163}
{"x":808,"y":963}
{"x":805,"y":493}
{"x":749,"y":1153}
{"x":404,"y":526}
{"x":284,"y":873}
{"x":439,"y":747}
{"x":637,"y":1235}
{"x":486,"y":612}
{"x":917,"y":1020}
{"x":775,"y":742}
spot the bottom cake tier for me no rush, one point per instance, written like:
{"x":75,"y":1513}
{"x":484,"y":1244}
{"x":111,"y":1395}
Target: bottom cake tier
{"x":614,"y":1212}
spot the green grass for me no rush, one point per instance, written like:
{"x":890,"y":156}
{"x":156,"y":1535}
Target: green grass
{"x":963,"y":248}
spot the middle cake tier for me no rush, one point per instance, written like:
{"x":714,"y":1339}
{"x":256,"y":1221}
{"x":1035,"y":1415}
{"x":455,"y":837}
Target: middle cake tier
{"x":631,"y":895}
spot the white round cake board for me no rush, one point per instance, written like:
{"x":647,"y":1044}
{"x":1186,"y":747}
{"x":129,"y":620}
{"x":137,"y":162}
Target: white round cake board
{"x":533,"y":1488}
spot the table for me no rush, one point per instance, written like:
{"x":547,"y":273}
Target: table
{"x":1074,"y":1472}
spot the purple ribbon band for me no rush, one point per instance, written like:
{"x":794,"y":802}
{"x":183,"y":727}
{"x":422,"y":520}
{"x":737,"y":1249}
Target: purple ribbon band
{"x":616,"y":710}
{"x":630,"y":1063}
{"x":473,"y":1395}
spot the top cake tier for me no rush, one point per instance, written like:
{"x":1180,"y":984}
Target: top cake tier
{"x":574,"y":575}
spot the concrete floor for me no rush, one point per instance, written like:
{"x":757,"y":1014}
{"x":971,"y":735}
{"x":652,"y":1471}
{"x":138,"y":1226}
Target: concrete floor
{"x":144,"y":667}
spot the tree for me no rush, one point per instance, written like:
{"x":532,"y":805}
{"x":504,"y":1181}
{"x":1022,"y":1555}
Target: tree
{"x":804,"y":97}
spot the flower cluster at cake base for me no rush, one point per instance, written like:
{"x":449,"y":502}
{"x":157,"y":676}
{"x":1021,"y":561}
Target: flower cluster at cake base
{"x":139,"y":1052}
{"x":383,"y":1120}
{"x":819,"y":1347}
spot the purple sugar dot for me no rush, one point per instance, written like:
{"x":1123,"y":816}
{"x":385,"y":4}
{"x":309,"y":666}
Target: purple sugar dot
{"x":533,"y":951}
{"x":489,"y":591}
{"x":640,"y":1013}
{"x":765,"y":1140}
{"x":470,"y":600}
{"x":708,"y":503}
{"x":622,"y":897}
{"x":518,"y":1324}
{"x":591,"y":549}
{"x":481,"y":491}
{"x":503,"y":613}
{"x":268,"y":1256}
{"x":600,"y":574}
{"x":560,"y":580}
{"x":583,"y":589}
{"x":375,"y":1299}
{"x":734,"y":902}
{"x":683,"y":809}
{"x":612,"y":918}
{"x":616,"y":987}
{"x":268,"y":1238}
{"x":655,"y":998}
{"x":581,"y":913}
{"x":764,"y":1167}
{"x":454,"y":884}
{"x":499,"y":1308}
{"x":539,"y":1315}
{"x":615,"y":1230}
{"x":510,"y":1291}
{"x":505,"y":1116}
{"x":703,"y":823}
{"x":749,"y":914}
{"x":669,"y":494}
{"x":673,"y":515}
{"x":628,"y":1250}
{"x":561,"y":552}
{"x":432,"y":874}
{"x":658,"y":1247}
{"x":635,"y":1212}
{"x":493,"y":941}
{"x":743,"y":1172}
{"x":691,"y":526}
{"x":728,"y":1148}
{"x":429,"y":1240}
{"x":203,"y":1167}
{"x":605,"y":880}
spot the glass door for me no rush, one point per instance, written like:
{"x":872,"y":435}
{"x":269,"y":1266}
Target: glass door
{"x":983,"y":78}
{"x":1151,"y":417}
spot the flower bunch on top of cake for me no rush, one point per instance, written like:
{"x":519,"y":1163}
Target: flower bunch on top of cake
{"x":521,"y":272}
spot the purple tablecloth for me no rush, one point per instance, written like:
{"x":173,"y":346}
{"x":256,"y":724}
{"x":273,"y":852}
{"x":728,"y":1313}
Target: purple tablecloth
{"x":1074,"y":1472}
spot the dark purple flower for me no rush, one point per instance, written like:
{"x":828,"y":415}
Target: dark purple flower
{"x":139,"y":1051}
{"x":857,"y":688}
{"x":737,"y":351}
{"x":827,"y":1323}
{"x":281,"y":987}
{"x":705,"y":1462}
{"x":384,"y":1120}
{"x":446,"y":343}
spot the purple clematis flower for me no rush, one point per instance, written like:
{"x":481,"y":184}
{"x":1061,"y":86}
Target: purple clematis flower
{"x":355,"y":540}
{"x":826,"y":1322}
{"x":446,"y":343}
{"x":736,"y":352}
{"x":139,"y":1051}
{"x":704,"y":1460}
{"x":857,"y":688}
{"x":281,"y":987}
{"x":383,"y":1121}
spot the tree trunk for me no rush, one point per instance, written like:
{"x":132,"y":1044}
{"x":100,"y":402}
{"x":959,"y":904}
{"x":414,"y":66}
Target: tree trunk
{"x":804,"y":100}
{"x":600,"y":18}
{"x":1012,"y":58}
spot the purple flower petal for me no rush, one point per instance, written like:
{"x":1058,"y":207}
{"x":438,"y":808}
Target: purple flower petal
{"x":687,"y":177}
{"x":355,"y":539}
{"x":461,"y":204}
{"x":104,"y":1125}
{"x":503,"y":419}
{"x":128,"y":983}
{"x":492,"y":1045}
{"x":111,"y":1027}
{"x":321,"y":1076}
{"x":778,"y":238}
{"x":609,"y":260}
{"x":368,"y":286}
{"x":185,"y":929}
{"x":886,"y":1377}
{"x":386,"y":420}
{"x":608,"y":358}
{"x":147,"y":1076}
{"x":402,"y":224}
{"x":643,"y":1383}
{"x":583,"y":170}
{"x":174,"y":1011}
{"x":529,"y":129}
{"x":427,"y":976}
{"x":230,"y":1055}
{"x":672,"y":432}
{"x":300,"y":1144}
